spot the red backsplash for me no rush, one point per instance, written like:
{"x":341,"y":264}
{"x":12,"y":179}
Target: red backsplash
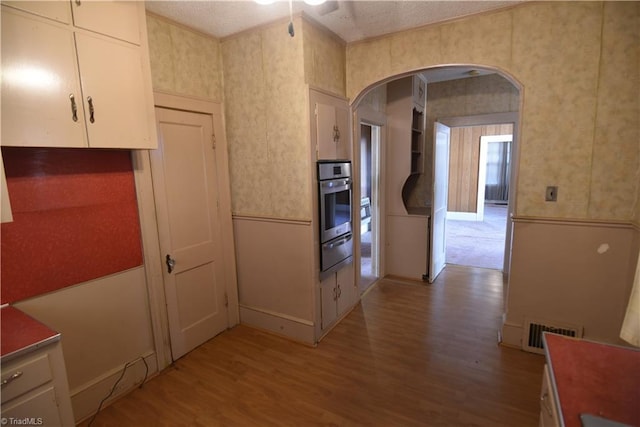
{"x":75,"y":218}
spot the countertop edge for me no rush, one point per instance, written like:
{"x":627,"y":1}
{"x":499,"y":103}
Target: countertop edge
{"x":552,"y":379}
{"x":30,"y":348}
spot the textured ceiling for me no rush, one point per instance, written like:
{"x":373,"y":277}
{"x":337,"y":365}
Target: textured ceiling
{"x":351,"y":20}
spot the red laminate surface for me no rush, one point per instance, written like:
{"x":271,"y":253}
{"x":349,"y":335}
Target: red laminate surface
{"x":596,"y":379}
{"x":20,"y":332}
{"x":75,"y":218}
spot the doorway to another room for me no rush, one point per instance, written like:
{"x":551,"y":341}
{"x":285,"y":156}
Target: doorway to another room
{"x":479,"y":180}
{"x":369,"y":194}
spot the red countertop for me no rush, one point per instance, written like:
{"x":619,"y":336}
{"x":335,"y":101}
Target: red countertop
{"x":21,"y":333}
{"x":594,"y":378}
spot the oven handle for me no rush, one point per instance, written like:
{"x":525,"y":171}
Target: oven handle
{"x":335,"y":186}
{"x":340,"y":242}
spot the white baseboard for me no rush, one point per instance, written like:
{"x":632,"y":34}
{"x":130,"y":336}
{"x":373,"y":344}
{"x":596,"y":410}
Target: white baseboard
{"x":280,"y":324}
{"x":512,"y":335}
{"x":463,"y":216}
{"x":86,"y":398}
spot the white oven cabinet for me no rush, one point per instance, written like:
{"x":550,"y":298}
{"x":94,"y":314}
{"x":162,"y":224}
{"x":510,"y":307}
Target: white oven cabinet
{"x":34,"y":387}
{"x":66,"y":86}
{"x":548,"y":410}
{"x":331,"y":128}
{"x":338,"y":294}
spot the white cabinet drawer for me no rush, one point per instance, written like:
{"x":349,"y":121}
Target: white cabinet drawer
{"x":24,"y":375}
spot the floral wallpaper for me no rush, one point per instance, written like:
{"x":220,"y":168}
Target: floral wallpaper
{"x":324,"y":59}
{"x":267,"y":119}
{"x":577,"y":63}
{"x":183,"y":61}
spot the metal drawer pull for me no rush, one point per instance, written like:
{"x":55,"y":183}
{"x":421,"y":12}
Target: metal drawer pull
{"x":74,"y":107}
{"x":90,"y":101}
{"x":15,"y":376}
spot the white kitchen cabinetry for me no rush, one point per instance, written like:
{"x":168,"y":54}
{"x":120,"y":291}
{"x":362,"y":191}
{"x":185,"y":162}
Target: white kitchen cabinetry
{"x":117,"y":19}
{"x":65,"y":86}
{"x":331,"y":128}
{"x":548,"y":410}
{"x":56,"y":10}
{"x":34,"y":387}
{"x":338,"y":295}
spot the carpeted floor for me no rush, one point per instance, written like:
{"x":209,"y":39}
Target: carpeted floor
{"x":478,"y":244}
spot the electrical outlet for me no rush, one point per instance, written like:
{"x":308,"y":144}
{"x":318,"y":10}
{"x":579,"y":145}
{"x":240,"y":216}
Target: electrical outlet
{"x":551,"y":195}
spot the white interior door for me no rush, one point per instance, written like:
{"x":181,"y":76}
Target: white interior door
{"x":185,"y":188}
{"x":441,"y":138}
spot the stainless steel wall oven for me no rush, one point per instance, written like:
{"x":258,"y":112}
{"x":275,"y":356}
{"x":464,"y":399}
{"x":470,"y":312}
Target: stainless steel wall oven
{"x":335,"y":214}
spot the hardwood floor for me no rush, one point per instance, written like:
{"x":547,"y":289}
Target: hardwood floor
{"x":411,"y":354}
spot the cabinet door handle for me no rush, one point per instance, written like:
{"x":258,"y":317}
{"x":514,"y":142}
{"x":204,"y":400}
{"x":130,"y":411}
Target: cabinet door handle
{"x":90,"y":101}
{"x":74,"y":107}
{"x":339,"y":291}
{"x":15,"y":376}
{"x":78,"y":2}
{"x":336,"y":133}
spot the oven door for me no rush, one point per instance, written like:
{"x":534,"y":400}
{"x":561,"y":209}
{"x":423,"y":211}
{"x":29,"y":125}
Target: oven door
{"x":335,"y":208}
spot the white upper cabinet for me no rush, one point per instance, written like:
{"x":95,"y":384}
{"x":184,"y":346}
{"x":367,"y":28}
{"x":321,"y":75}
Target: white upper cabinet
{"x":332,"y":135}
{"x":65,"y":86}
{"x":113,"y":93}
{"x":118,"y":19}
{"x":57,"y":10}
{"x":40,"y":84}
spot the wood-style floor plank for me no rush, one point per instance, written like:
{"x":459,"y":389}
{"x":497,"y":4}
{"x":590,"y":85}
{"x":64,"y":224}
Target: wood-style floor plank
{"x":411,"y":354}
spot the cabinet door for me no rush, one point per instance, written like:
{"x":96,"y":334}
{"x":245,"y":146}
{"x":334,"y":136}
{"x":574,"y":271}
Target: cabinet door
{"x":112,"y":77}
{"x":326,"y":121}
{"x":343,"y":144}
{"x":39,"y":77}
{"x":56,"y":10}
{"x":548,"y":411}
{"x":118,"y":19}
{"x":40,"y":405}
{"x":328,"y":294}
{"x":346,"y":289}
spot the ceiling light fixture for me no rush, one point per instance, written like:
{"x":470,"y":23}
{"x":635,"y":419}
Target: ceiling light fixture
{"x":265,"y":2}
{"x":314,"y":2}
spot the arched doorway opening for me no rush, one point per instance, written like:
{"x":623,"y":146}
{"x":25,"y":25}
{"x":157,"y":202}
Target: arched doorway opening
{"x":473,"y":100}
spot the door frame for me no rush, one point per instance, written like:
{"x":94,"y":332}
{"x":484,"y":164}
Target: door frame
{"x":494,"y":119}
{"x":482,"y":170}
{"x":368,"y":116}
{"x":153,"y":262}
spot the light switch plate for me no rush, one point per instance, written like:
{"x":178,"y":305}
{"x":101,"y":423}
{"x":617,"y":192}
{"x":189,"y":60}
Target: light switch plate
{"x":551,"y":195}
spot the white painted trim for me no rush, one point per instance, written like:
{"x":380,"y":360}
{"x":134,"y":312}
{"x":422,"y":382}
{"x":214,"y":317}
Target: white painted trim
{"x":462,"y":216}
{"x":85,"y":397}
{"x":482,"y":170}
{"x":279,"y":324}
{"x":151,"y":249}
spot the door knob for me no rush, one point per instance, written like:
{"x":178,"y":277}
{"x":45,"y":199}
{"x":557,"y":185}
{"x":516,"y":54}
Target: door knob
{"x":171,"y":263}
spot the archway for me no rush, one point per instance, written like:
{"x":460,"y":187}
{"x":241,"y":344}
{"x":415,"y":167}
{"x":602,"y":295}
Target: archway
{"x":465,"y":116}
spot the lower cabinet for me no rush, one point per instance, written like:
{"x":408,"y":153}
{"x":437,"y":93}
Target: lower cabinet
{"x":338,"y":295}
{"x":548,"y":410}
{"x":35,"y":390}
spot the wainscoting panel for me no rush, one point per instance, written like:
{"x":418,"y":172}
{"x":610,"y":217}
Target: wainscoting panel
{"x":570,"y":272}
